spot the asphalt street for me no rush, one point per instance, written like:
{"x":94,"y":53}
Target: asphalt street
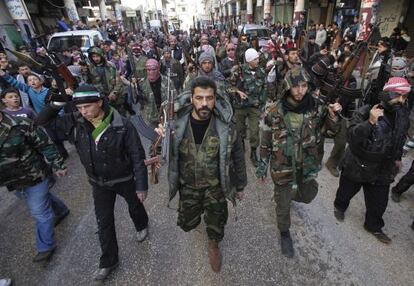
{"x":326,"y":252}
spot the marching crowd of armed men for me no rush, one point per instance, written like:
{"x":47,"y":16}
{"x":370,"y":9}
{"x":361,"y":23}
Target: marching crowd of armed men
{"x":276,"y":102}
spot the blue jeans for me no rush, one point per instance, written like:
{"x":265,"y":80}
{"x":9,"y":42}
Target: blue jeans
{"x":38,"y":200}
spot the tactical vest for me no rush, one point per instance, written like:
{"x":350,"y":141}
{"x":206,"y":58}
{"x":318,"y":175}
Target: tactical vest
{"x":199,"y":168}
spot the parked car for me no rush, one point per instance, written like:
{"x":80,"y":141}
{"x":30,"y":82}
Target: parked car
{"x":253,"y":31}
{"x":84,"y":39}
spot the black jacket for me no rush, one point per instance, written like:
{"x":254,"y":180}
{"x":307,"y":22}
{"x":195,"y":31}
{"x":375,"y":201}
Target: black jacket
{"x":117,"y":157}
{"x":225,"y":67}
{"x":373,"y":149}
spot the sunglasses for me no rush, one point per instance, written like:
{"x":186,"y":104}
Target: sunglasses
{"x":229,"y":50}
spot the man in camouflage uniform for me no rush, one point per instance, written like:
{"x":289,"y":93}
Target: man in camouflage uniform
{"x":242,"y":48}
{"x":251,"y":88}
{"x":282,"y":67}
{"x":292,"y":130}
{"x":176,"y":69}
{"x":25,"y":152}
{"x":105,"y":78}
{"x":154,"y":92}
{"x":206,"y":162}
{"x":139,"y":63}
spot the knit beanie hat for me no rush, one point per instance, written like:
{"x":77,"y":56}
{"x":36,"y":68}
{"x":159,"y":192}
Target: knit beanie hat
{"x":397,"y":85}
{"x":85,"y":94}
{"x":251,"y":55}
{"x":205,"y":56}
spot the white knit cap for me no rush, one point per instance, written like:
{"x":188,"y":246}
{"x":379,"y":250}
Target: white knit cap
{"x":251,"y":55}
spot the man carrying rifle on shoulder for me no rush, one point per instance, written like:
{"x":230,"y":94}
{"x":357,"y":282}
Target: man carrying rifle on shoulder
{"x":206,"y":165}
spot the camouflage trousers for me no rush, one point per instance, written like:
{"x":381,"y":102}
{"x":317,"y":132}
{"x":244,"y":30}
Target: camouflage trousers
{"x":252,"y":114}
{"x":285,"y":194}
{"x":211,"y":201}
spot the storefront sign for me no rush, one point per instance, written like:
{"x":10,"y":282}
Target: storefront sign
{"x":16,"y":9}
{"x":130,"y":14}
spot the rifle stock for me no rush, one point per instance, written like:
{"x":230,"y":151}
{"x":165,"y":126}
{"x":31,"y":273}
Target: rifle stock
{"x":168,"y":125}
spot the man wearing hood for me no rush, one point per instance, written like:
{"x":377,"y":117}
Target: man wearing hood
{"x":292,"y":130}
{"x":206,"y":163}
{"x":206,"y":68}
{"x":105,"y":78}
{"x":376,"y":137}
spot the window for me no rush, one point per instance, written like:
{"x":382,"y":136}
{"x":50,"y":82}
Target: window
{"x":66,"y":42}
{"x":96,"y":40}
{"x":182,"y":9}
{"x":172,"y":9}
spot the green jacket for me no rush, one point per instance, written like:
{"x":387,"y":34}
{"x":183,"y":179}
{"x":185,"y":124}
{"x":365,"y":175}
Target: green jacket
{"x":231,"y":160}
{"x":23,"y":150}
{"x":149,"y":108}
{"x":289,"y":149}
{"x":110,"y":83}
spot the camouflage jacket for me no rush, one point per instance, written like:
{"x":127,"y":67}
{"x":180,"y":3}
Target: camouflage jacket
{"x":111,"y":82}
{"x":292,"y":149}
{"x":23,"y":150}
{"x":149,"y":109}
{"x":253,"y":83}
{"x":140,"y":66}
{"x":230,"y":154}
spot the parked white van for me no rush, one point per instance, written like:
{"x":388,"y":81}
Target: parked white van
{"x":84,"y":39}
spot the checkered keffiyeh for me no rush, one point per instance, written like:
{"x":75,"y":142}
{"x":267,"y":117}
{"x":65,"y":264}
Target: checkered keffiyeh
{"x":398,"y":85}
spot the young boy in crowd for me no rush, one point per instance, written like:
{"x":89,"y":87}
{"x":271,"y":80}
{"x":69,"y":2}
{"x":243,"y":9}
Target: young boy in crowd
{"x":12,"y":102}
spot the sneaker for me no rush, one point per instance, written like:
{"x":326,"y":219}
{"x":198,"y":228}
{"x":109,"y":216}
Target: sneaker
{"x":102,"y":273}
{"x":333,"y":170}
{"x":286,"y":244}
{"x":339,"y":215}
{"x":142,"y":234}
{"x":396,"y":197}
{"x":5,"y":282}
{"x":43,"y":256}
{"x":412,"y":226}
{"x":59,"y":218}
{"x":379,"y":235}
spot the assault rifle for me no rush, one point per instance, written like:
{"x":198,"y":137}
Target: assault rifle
{"x":134,"y":89}
{"x":168,"y":125}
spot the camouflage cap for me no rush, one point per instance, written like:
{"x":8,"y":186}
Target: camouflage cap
{"x":294,"y":76}
{"x":95,"y":50}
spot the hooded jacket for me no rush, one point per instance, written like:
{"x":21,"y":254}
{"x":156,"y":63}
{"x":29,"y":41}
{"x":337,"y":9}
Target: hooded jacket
{"x":232,"y":166}
{"x":289,"y":150}
{"x":109,"y":81}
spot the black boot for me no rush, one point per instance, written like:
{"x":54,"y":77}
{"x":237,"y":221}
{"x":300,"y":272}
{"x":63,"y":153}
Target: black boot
{"x":287,"y":244}
{"x":253,"y":156}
